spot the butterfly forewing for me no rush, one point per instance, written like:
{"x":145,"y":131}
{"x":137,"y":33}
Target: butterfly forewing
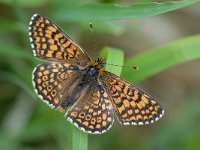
{"x":49,"y":42}
{"x":132,"y":105}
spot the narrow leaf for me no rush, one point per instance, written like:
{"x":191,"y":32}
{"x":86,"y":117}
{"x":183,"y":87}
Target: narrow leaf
{"x":155,"y":60}
{"x":113,"y":57}
{"x":100,"y":11}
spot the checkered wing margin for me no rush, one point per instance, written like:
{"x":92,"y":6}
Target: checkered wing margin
{"x":132,"y":105}
{"x":50,"y":43}
{"x":93,"y":113}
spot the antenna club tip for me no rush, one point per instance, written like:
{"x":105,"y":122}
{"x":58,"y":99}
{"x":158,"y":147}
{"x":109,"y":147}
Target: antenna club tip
{"x":90,"y":25}
{"x":136,"y":67}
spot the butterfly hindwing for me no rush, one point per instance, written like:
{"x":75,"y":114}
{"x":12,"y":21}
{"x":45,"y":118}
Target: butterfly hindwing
{"x":93,"y":113}
{"x":50,"y":43}
{"x":132,"y":105}
{"x":51,"y":81}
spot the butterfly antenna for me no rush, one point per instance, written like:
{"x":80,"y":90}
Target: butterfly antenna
{"x":93,"y":41}
{"x":97,"y":52}
{"x":128,"y":67}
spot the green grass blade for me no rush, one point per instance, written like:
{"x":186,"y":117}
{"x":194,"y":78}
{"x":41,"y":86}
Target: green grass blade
{"x":8,"y":50}
{"x":25,"y":3}
{"x":158,"y":59}
{"x":79,"y":139}
{"x":113,"y":56}
{"x":6,"y":76}
{"x":100,"y":11}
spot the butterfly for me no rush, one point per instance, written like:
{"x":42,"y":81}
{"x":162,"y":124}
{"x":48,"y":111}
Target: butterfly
{"x":71,"y":82}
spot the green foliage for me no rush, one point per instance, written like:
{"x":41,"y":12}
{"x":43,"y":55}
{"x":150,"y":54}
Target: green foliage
{"x":113,"y":56}
{"x":79,"y":139}
{"x":44,"y":128}
{"x":158,"y":59}
{"x":26,"y":3}
{"x":99,"y":11}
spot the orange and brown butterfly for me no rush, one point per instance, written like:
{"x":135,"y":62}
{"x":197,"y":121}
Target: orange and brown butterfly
{"x":71,"y":82}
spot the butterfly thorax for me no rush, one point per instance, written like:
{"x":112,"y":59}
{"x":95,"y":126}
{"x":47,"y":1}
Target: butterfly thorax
{"x":87,"y":78}
{"x":96,"y":66}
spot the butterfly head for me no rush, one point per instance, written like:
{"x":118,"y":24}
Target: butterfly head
{"x":101,"y":62}
{"x":97,"y":65}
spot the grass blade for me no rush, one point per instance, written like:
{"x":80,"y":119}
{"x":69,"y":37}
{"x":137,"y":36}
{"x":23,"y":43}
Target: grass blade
{"x":6,"y":76}
{"x":100,"y":11}
{"x":79,"y":139}
{"x":113,"y":56}
{"x":7,"y":50}
{"x":158,"y":59}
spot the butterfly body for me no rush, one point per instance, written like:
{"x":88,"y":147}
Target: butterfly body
{"x":71,"y":82}
{"x":87,"y":75}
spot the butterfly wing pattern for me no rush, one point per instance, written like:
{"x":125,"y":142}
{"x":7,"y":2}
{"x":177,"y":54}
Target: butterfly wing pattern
{"x":51,"y":80}
{"x":50,"y":43}
{"x":71,"y":82}
{"x":132,"y":105}
{"x":94,"y":112}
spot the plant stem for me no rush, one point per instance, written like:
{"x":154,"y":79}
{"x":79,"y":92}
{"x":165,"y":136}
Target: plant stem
{"x":79,"y":139}
{"x":115,"y":56}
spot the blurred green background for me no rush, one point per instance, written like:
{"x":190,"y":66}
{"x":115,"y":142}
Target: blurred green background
{"x":27,"y":123}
